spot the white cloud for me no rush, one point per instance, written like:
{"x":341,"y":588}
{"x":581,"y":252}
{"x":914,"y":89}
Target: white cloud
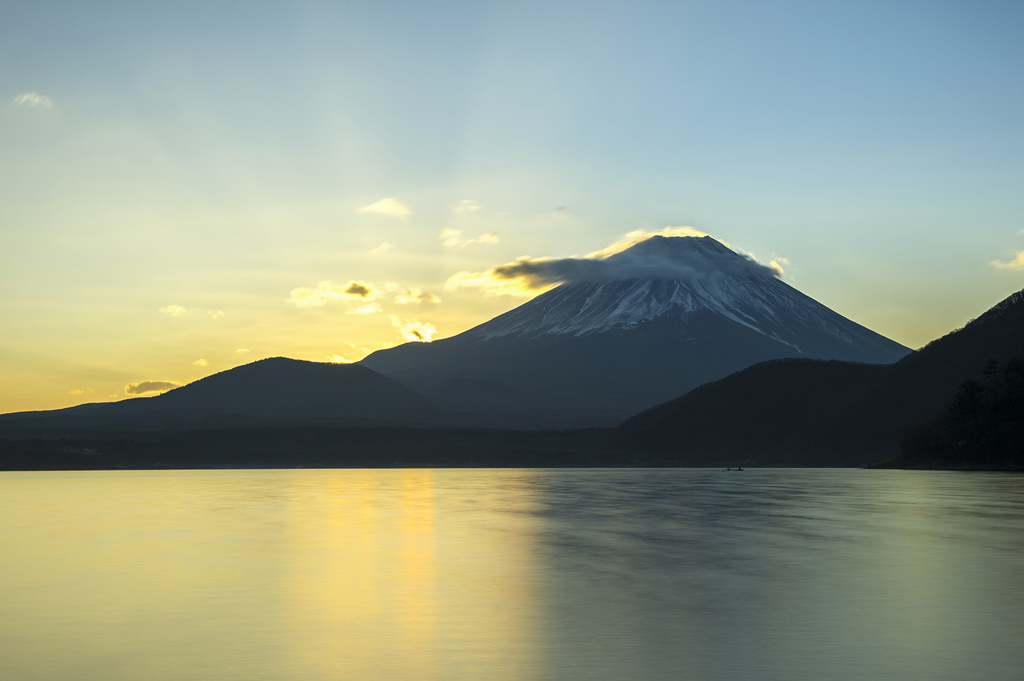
{"x":76,"y":392}
{"x":382,"y":248}
{"x":338,"y":359}
{"x":467,"y":206}
{"x":242,"y":351}
{"x":452,"y":238}
{"x":34,"y":99}
{"x":216,"y":314}
{"x":389,"y":206}
{"x":326,"y":291}
{"x":148,"y":387}
{"x":365,"y":309}
{"x":174,"y":310}
{"x":1016,"y":264}
{"x":413,"y":331}
{"x":200,"y":363}
{"x":415,"y":296}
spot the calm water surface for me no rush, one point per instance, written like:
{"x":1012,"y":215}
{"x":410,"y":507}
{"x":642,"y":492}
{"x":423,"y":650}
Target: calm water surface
{"x":511,"y":574}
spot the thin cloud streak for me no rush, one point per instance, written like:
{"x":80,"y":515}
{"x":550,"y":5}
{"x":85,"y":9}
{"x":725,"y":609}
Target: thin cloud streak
{"x":415,"y":296}
{"x":389,"y":206}
{"x":149,"y":387}
{"x":365,"y":309}
{"x":34,"y":99}
{"x":452,"y":238}
{"x":1016,"y":264}
{"x":174,"y":310}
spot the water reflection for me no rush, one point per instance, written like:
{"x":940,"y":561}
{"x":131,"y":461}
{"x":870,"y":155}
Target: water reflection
{"x":526,"y":574}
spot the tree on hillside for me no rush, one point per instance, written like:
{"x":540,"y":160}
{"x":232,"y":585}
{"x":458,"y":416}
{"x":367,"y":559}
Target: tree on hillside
{"x":983,"y":425}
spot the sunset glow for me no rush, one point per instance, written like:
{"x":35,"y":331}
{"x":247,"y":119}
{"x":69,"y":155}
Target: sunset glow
{"x":294,"y":181}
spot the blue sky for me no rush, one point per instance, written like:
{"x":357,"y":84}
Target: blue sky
{"x":215,"y":157}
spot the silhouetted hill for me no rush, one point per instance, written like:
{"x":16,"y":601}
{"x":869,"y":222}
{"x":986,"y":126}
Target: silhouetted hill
{"x":757,"y":414}
{"x":276,"y":391}
{"x":841,"y":413}
{"x":783,"y":412}
{"x":918,"y":388}
{"x":983,"y":427}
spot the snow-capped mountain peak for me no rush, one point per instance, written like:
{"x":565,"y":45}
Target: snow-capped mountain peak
{"x":668,"y":276}
{"x":634,"y":329}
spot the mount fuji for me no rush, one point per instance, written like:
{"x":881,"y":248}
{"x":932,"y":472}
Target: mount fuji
{"x":627,"y":332}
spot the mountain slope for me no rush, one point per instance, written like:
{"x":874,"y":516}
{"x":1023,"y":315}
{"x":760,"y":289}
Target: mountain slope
{"x":757,"y":413}
{"x":828,"y":413}
{"x":655,"y":321}
{"x":269,"y":391}
{"x":919,"y":387}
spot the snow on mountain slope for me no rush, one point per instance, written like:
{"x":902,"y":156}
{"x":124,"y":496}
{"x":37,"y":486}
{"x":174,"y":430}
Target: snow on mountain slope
{"x":706,"y":276}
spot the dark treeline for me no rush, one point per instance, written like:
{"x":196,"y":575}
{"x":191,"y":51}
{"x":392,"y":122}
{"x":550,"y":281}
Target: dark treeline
{"x":983,"y":425}
{"x":314,"y":447}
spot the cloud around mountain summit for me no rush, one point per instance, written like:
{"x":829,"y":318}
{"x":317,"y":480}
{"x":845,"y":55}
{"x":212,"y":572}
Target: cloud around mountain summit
{"x":528,"y":276}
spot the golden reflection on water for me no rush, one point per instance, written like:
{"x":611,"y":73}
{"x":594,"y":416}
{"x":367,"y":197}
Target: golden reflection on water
{"x":362,"y":578}
{"x":252,"y":575}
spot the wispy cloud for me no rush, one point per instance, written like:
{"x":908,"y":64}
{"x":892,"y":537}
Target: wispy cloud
{"x":34,"y":99}
{"x":389,"y":206}
{"x":365,"y":309}
{"x":413,"y":331}
{"x":1016,"y":264}
{"x":528,"y":276}
{"x":338,"y":359}
{"x":327,"y":291}
{"x":76,"y":392}
{"x":174,"y":310}
{"x":148,"y":387}
{"x":467,"y":206}
{"x":179,"y":311}
{"x":452,"y":238}
{"x":242,"y":351}
{"x":200,"y":363}
{"x":413,"y":296}
{"x":382,"y":248}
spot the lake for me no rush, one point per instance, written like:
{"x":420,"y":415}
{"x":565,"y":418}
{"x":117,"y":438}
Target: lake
{"x":511,"y":574}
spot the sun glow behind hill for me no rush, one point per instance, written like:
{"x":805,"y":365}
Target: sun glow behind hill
{"x":169,"y":186}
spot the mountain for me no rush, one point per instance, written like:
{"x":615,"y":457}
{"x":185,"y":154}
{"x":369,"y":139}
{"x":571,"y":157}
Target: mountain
{"x":841,"y":413}
{"x":651,"y":323}
{"x":758,"y":414}
{"x":276,"y":391}
{"x":921,"y":386}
